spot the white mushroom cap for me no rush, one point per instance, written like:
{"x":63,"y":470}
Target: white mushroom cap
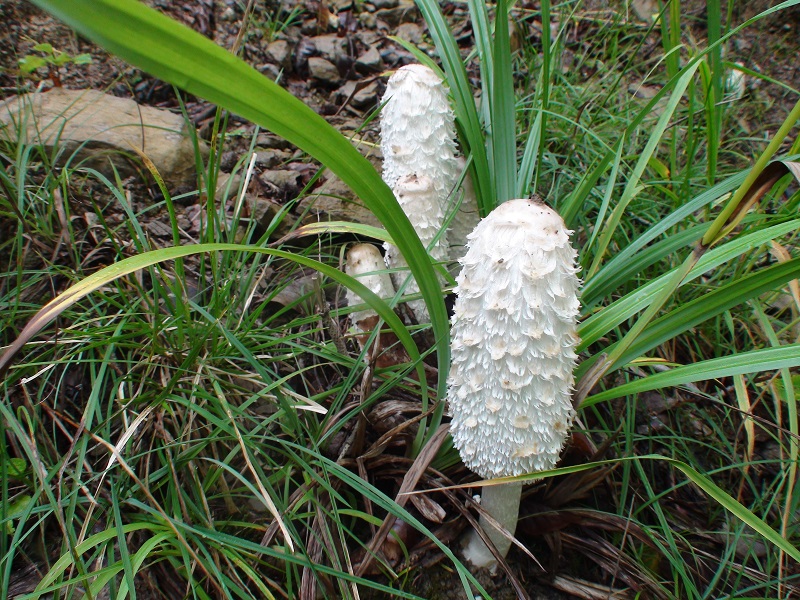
{"x":419,"y":159}
{"x":418,"y":129}
{"x":417,"y":197}
{"x":513,"y":340}
{"x":365,"y":263}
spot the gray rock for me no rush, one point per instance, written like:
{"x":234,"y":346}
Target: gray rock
{"x":405,"y":12}
{"x":99,"y":130}
{"x":281,"y":53}
{"x":269,"y":140}
{"x":227,"y":186}
{"x":332,"y":203}
{"x":410,"y":32}
{"x":259,"y":214}
{"x":263,"y":211}
{"x":330,"y":47}
{"x":272,"y":71}
{"x":385,"y":3}
{"x":270,"y":157}
{"x":335,"y":201}
{"x":323,"y":71}
{"x":368,"y":20}
{"x":366,"y":97}
{"x":284,"y":183}
{"x":370,"y":61}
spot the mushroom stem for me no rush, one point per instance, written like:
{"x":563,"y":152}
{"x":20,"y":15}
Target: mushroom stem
{"x":502,"y":503}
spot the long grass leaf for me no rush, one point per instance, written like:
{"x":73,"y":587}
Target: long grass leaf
{"x":755,"y":361}
{"x":124,"y":267}
{"x":503,"y":134}
{"x":466,"y":113}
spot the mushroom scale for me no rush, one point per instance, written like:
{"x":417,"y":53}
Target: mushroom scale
{"x":513,"y":341}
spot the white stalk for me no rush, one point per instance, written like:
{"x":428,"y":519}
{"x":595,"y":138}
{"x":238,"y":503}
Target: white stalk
{"x":502,"y":502}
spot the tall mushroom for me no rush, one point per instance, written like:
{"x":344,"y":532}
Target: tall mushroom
{"x":417,"y":195}
{"x":419,"y":159}
{"x":513,"y":340}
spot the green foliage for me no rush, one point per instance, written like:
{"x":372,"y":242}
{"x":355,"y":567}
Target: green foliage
{"x":208,"y":413}
{"x":50,"y":59}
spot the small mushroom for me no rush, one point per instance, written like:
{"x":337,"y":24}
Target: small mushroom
{"x":365,"y":263}
{"x":513,"y":340}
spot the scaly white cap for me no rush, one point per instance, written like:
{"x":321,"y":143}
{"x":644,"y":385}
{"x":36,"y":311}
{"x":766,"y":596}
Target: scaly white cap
{"x":513,"y":339}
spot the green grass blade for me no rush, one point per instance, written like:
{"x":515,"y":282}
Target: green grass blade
{"x":503,"y":135}
{"x":709,"y":487}
{"x":755,"y":361}
{"x":124,"y":267}
{"x":597,"y":325}
{"x":633,"y":185}
{"x":710,"y":305}
{"x":618,"y":270}
{"x":466,"y":113}
{"x":716,"y":87}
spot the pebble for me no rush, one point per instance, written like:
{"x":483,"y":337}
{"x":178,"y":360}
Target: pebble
{"x":330,"y":47}
{"x":410,"y":32}
{"x":280,"y":52}
{"x":323,"y":72}
{"x":370,"y":61}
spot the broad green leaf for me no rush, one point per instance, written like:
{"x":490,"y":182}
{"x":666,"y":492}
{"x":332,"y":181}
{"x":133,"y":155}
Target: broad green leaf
{"x":710,"y":305}
{"x":597,"y":325}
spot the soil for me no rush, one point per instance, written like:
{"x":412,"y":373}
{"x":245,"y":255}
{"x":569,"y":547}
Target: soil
{"x":770,"y":47}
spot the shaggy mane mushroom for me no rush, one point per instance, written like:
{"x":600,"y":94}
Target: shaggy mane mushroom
{"x":513,"y":340}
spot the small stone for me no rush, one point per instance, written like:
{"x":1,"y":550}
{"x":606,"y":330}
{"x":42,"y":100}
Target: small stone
{"x":228,"y":14}
{"x":368,"y":20}
{"x":309,"y":27}
{"x":330,"y":47}
{"x":269,"y":140}
{"x":385,"y":3}
{"x":281,"y":53}
{"x":227,"y":186}
{"x":263,"y":211}
{"x":323,"y":71}
{"x":405,"y":12}
{"x":269,"y":70}
{"x":410,"y":32}
{"x":370,"y":61}
{"x":366,"y":97}
{"x":269,"y":158}
{"x":282,"y":183}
